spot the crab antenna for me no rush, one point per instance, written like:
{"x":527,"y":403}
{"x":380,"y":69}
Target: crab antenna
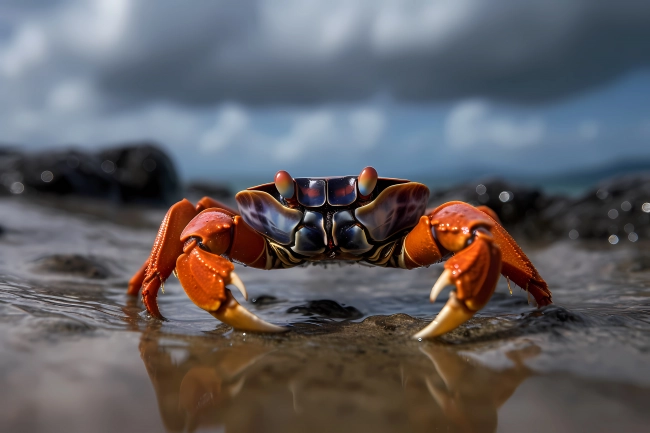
{"x":284,"y":184}
{"x":367,"y":181}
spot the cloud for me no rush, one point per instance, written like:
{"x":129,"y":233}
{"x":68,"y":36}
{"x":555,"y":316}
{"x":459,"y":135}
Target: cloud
{"x":309,"y":131}
{"x":367,"y":126}
{"x":26,"y":49}
{"x":297,"y":52}
{"x":324,"y":132}
{"x":231,"y":125}
{"x":588,"y":130}
{"x":232,"y":87}
{"x":72,"y":95}
{"x":474,"y":123}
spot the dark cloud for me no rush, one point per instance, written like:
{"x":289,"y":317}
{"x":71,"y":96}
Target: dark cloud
{"x":288,"y":52}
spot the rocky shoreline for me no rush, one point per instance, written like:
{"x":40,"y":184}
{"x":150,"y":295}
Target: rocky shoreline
{"x":616,"y":209}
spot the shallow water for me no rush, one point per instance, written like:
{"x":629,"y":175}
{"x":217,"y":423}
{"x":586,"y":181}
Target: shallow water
{"x":77,"y":354}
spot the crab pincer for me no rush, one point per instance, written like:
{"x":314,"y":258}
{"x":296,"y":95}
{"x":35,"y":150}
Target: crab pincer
{"x":482,"y":251}
{"x":190,"y":243}
{"x":204,"y":273}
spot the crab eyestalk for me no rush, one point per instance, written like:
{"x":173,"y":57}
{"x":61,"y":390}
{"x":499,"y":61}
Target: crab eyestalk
{"x":284,"y":184}
{"x":367,"y":181}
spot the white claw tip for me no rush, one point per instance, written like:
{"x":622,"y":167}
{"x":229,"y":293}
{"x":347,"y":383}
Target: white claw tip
{"x":233,"y":314}
{"x":453,"y":314}
{"x":237,"y":282}
{"x":443,"y":281}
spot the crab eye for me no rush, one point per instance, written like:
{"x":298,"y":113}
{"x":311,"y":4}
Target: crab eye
{"x":284,"y":184}
{"x":367,"y":181}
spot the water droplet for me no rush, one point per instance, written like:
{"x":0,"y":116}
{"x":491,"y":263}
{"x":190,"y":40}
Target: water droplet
{"x":613,"y":214}
{"x":505,"y":196}
{"x":633,"y":237}
{"x":17,"y":188}
{"x":47,"y":176}
{"x":573,"y":234}
{"x":108,"y":166}
{"x":481,"y":189}
{"x":626,"y":206}
{"x":613,"y":239}
{"x":602,"y":194}
{"x":645,"y":207}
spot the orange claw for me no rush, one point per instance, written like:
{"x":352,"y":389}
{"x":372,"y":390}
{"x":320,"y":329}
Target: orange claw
{"x":136,"y":282}
{"x":193,"y":245}
{"x":475,"y":270}
{"x":482,"y":250}
{"x":204,"y":274}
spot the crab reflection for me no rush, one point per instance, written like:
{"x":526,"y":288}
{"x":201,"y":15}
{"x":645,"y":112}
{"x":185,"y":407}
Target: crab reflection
{"x":470,"y":394}
{"x":205,"y":383}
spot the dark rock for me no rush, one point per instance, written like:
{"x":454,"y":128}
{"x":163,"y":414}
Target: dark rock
{"x":327,"y":308}
{"x":613,"y":207}
{"x":519,"y":207}
{"x":72,"y":264}
{"x":65,"y":173}
{"x":139,"y":173}
{"x":143,"y":173}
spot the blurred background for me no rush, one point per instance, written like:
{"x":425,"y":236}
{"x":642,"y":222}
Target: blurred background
{"x":551,"y":92}
{"x":111,"y":110}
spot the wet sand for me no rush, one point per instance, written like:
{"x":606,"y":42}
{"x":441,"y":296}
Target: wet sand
{"x":78,"y":355}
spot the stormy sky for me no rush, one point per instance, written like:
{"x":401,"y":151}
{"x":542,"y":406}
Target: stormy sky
{"x":239,"y":88}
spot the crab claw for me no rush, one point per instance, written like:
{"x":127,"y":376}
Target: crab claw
{"x":475,"y":272}
{"x":204,"y":276}
{"x":233,"y":314}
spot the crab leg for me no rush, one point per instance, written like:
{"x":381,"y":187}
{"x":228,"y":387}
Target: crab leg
{"x":162,"y":261}
{"x":482,"y":249}
{"x":136,"y":282}
{"x":519,"y":268}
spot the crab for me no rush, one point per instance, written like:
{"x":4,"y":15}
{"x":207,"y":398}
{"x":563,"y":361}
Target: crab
{"x":365,"y":218}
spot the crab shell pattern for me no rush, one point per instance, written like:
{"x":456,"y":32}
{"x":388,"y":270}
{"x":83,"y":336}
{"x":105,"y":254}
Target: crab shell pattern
{"x":381,"y":221}
{"x":330,"y":220}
